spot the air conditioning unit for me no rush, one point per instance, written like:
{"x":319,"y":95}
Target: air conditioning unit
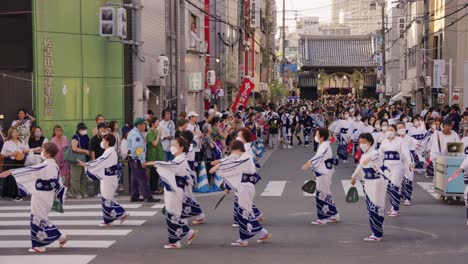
{"x":428,"y":81}
{"x":203,"y":46}
{"x":444,"y":80}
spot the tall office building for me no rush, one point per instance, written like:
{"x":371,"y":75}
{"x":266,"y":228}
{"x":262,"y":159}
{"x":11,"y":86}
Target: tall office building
{"x":357,"y":14}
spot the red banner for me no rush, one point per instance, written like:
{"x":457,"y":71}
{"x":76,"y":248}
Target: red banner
{"x":243,"y":96}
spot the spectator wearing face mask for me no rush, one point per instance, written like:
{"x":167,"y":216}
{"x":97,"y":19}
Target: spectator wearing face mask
{"x":36,"y":140}
{"x":96,"y":150}
{"x":80,"y":144}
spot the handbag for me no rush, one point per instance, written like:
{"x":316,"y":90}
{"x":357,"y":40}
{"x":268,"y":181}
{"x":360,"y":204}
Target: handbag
{"x":309,"y":187}
{"x":352,"y":196}
{"x":71,"y":157}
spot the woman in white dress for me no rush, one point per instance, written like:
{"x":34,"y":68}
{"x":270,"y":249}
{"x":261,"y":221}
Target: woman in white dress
{"x":408,"y":166}
{"x":42,"y":182}
{"x":106,"y":169}
{"x":369,"y":171}
{"x":394,"y":154}
{"x":322,"y":166}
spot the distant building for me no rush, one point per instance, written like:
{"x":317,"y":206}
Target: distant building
{"x":357,"y":14}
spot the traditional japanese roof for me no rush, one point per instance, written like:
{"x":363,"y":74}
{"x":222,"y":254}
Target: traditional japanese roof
{"x":337,"y":51}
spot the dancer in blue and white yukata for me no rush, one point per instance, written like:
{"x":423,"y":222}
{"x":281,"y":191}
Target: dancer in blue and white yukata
{"x":245,"y":136}
{"x":394,"y":154}
{"x":343,"y":130}
{"x":358,"y":126}
{"x":464,"y":169}
{"x":238,"y":172}
{"x":287,"y":121}
{"x":190,"y":203}
{"x":42,"y":182}
{"x":369,"y":170}
{"x":426,"y":145}
{"x":107,"y":169}
{"x":174,"y":176}
{"x":408,"y":167}
{"x":417,"y":131}
{"x":322,"y":166}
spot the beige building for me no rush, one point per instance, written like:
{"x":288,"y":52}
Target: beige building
{"x":357,"y":14}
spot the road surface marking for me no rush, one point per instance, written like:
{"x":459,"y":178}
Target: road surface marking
{"x":70,"y":244}
{"x":74,"y":232}
{"x":70,"y":207}
{"x":71,"y":223}
{"x":347,"y":184}
{"x":69,"y":259}
{"x":157,"y":206}
{"x":429,"y":187}
{"x":78,"y":214}
{"x":274,"y":188}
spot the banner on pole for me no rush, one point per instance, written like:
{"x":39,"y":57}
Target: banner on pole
{"x":243,"y":96}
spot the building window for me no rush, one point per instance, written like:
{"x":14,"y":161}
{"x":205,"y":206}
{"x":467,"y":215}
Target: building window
{"x":436,"y":47}
{"x":194,"y":34}
{"x":441,"y":44}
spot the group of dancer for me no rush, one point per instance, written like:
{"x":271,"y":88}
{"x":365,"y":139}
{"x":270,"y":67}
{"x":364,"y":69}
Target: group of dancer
{"x":387,"y":152}
{"x":238,"y":170}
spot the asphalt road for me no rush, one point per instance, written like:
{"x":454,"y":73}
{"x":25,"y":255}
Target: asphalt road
{"x":429,"y":231}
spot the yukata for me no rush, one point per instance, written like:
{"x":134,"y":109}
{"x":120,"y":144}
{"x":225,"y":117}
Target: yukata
{"x":175,"y":176}
{"x":426,"y":144}
{"x":394,"y":154}
{"x":309,"y":125}
{"x":106,"y":169}
{"x":374,"y":188}
{"x":464,"y":166}
{"x":343,"y":130}
{"x":408,"y":172}
{"x":358,"y":127}
{"x":322,"y":166}
{"x":190,"y":204}
{"x":42,"y":182}
{"x":239,"y":175}
{"x":287,"y":121}
{"x":418,"y":133}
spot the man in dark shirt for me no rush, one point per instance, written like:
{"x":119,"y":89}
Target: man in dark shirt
{"x":96,"y":151}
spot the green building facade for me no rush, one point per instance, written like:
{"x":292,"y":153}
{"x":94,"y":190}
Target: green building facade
{"x":77,"y":73}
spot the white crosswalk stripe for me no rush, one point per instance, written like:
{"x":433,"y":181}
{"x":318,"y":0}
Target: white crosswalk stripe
{"x":429,"y":187}
{"x":71,"y":222}
{"x":79,"y":222}
{"x":347,"y":184}
{"x":78,"y":214}
{"x":28,"y":259}
{"x":71,"y":232}
{"x":72,"y":207}
{"x":70,"y":244}
{"x":274,"y":188}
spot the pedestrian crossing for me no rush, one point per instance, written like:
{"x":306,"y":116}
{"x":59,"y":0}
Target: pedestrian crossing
{"x":79,"y":223}
{"x":277,"y":188}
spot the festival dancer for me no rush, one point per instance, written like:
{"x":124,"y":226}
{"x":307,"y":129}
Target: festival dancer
{"x":322,"y":166}
{"x":343,"y":131}
{"x":408,"y":167}
{"x":42,"y":182}
{"x":238,"y":171}
{"x":106,"y":169}
{"x":174,"y":176}
{"x":190,"y":203}
{"x":418,"y":132}
{"x":369,"y":171}
{"x":394,"y":154}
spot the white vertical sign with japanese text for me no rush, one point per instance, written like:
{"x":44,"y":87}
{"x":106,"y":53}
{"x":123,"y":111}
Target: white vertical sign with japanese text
{"x":255,"y":13}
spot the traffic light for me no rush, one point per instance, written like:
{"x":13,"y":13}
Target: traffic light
{"x":122,"y":23}
{"x":106,"y":21}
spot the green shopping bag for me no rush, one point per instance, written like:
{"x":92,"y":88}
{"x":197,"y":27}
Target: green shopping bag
{"x":163,"y":211}
{"x":309,"y":187}
{"x":57,"y":207}
{"x":352,"y":196}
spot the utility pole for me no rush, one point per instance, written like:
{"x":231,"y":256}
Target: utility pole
{"x":284,"y":46}
{"x":137,"y":61}
{"x":384,"y":72}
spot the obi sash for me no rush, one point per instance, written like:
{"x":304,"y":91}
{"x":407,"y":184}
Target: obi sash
{"x":114,"y":170}
{"x":370,"y":174}
{"x":343,"y":130}
{"x":330,"y":162}
{"x":252,"y":178}
{"x":418,"y":137}
{"x":47,"y":185}
{"x":391,"y":155}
